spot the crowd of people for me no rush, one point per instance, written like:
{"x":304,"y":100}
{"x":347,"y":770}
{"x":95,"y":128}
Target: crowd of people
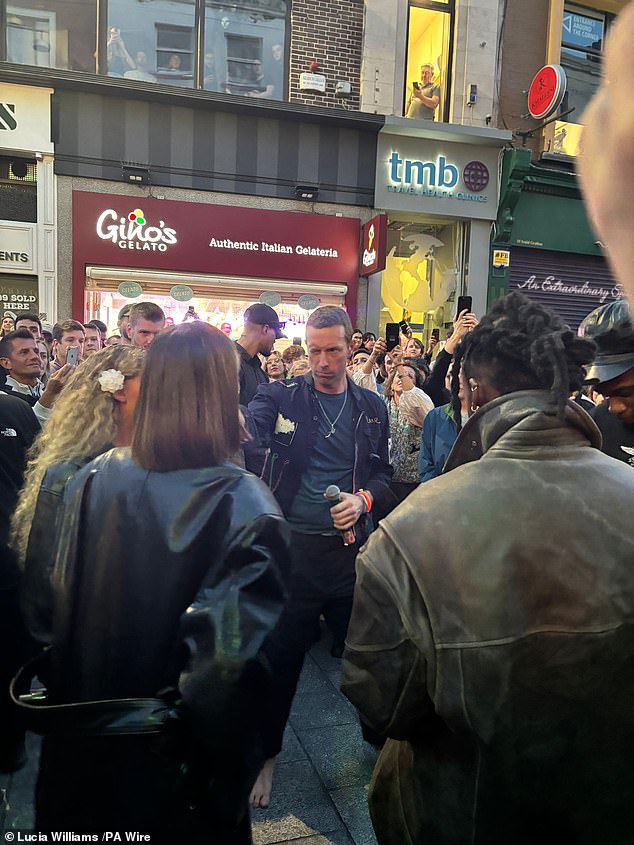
{"x":175,"y":596}
{"x":178,"y":511}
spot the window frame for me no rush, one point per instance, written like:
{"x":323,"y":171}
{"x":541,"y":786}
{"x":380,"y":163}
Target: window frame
{"x":447,"y":8}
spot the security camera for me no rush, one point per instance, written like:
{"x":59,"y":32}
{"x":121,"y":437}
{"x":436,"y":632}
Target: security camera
{"x":343,"y":89}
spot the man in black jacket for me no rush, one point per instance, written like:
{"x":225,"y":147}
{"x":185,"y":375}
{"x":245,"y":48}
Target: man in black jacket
{"x":612,"y":373}
{"x":261,"y":330}
{"x":319,"y":429}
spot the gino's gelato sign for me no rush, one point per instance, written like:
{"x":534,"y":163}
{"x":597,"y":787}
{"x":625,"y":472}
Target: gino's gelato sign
{"x":133,"y":232}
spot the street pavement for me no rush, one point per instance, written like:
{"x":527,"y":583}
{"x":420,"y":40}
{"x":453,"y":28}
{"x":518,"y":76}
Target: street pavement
{"x":320,"y":785}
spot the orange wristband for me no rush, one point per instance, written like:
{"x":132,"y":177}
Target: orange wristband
{"x":366,"y":498}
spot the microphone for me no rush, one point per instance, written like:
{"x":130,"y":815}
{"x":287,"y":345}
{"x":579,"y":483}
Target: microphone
{"x":333,"y":496}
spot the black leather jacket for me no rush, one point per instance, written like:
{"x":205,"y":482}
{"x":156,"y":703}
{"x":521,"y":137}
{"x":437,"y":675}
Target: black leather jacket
{"x":166,"y":581}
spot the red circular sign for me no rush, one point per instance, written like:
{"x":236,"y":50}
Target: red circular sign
{"x":547,"y":90}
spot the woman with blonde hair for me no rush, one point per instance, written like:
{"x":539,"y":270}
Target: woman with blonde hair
{"x":93,"y":413}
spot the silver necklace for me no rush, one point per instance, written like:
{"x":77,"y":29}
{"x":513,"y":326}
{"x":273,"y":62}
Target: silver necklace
{"x":332,"y":423}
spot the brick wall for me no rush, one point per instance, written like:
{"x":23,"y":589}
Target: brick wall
{"x":524,"y":51}
{"x":330,"y":31}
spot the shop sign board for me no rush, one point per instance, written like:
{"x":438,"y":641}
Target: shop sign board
{"x":501,"y":258}
{"x":16,"y":247}
{"x":547,"y":91}
{"x":309,"y":302}
{"x":440,"y":177}
{"x":25,"y":118}
{"x":373,"y":245}
{"x":131,"y":290}
{"x":18,"y":294}
{"x":186,"y":237}
{"x":181,"y":293}
{"x":582,"y":30}
{"x":270,"y":298}
{"x":315,"y":82}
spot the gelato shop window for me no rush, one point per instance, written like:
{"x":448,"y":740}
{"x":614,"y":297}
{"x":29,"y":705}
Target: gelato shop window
{"x":221,"y":302}
{"x":422,"y":276}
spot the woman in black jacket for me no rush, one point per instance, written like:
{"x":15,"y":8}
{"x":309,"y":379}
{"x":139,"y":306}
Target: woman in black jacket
{"x":168,"y":575}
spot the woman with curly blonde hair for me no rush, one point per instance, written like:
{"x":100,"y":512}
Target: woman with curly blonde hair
{"x":93,"y":413}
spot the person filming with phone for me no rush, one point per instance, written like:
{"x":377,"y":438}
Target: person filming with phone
{"x":68,"y":344}
{"x":425,"y":96}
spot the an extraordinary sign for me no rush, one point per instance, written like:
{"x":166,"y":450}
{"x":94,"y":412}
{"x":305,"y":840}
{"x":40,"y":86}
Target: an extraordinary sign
{"x":426,"y":175}
{"x":18,"y":293}
{"x":551,"y":284}
{"x":547,"y":91}
{"x":373,"y":243}
{"x":25,"y":118}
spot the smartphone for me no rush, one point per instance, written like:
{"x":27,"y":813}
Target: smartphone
{"x":435,"y":333}
{"x":391,"y":335}
{"x":416,"y":85}
{"x":405,"y":328}
{"x":464,"y":303}
{"x":72,"y":356}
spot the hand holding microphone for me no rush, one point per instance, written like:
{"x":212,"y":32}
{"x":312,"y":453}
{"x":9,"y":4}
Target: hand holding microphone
{"x":346,"y":508}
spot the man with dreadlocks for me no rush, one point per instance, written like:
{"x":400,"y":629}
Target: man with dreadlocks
{"x":492,"y":635}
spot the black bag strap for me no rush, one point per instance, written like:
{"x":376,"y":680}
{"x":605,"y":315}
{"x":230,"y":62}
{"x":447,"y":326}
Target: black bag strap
{"x":107,"y":717}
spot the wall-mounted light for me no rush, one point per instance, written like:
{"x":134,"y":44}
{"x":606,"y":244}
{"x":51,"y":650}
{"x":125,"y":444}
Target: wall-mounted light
{"x":135,"y":174}
{"x":306,"y":192}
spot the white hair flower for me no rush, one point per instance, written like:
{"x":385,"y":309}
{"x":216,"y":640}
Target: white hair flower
{"x":111,"y":380}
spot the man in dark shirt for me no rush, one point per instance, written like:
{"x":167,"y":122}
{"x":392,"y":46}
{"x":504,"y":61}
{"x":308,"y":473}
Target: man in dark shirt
{"x":18,"y":427}
{"x":613,"y":375}
{"x":261,"y":330}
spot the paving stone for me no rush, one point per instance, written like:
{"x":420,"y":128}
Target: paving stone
{"x":352,"y":803}
{"x":291,"y":748}
{"x":337,"y":838}
{"x":300,"y":807}
{"x":340,"y":756}
{"x":321,"y":710}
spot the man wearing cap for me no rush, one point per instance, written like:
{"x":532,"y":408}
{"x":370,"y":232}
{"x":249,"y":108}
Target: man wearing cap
{"x":261,"y":330}
{"x":122,"y":324}
{"x":612,"y":373}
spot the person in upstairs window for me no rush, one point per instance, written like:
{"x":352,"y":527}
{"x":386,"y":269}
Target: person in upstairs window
{"x":425,"y":96}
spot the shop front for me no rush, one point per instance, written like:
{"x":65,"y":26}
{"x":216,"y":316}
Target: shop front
{"x":27,"y":207}
{"x":439,"y":189}
{"x":543,"y":244}
{"x":209,"y":262}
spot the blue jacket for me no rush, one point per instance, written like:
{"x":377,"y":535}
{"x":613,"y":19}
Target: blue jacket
{"x":439,"y":434}
{"x":286,"y":417}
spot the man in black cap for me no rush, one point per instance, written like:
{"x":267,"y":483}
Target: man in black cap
{"x":122,"y":324}
{"x":612,"y":373}
{"x":261,"y":330}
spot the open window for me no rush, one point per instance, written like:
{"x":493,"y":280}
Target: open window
{"x":429,"y":45}
{"x":582,"y":39}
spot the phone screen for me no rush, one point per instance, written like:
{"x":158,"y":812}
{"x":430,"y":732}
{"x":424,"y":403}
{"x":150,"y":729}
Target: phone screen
{"x":435,"y":333}
{"x":415,"y":84}
{"x":464,"y":303}
{"x":391,"y":336}
{"x":72,"y":356}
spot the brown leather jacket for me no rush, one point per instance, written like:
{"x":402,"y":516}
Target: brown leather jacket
{"x":492,"y":640}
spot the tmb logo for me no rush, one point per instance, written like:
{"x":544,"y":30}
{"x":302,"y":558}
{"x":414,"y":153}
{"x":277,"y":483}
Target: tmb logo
{"x":7,"y":117}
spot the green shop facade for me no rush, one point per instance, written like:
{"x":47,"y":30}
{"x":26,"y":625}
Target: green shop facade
{"x":542,"y":242}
